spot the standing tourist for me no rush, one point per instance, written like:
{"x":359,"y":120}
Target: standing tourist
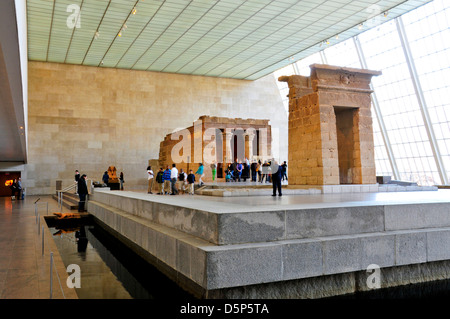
{"x":121,"y":180}
{"x":160,"y":181}
{"x":19,"y":189}
{"x":265,"y":171}
{"x":166,"y":179}
{"x":213,"y":170}
{"x":276,"y":178}
{"x":82,"y":193}
{"x":284,"y":171}
{"x":258,"y":170}
{"x":173,"y":179}
{"x":191,"y":180}
{"x":239,"y":168}
{"x":105,"y":177}
{"x":77,"y":178}
{"x":253,"y":167}
{"x":150,"y":179}
{"x":13,"y":189}
{"x":181,"y":181}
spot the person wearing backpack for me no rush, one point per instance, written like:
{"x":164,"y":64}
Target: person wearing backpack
{"x":160,"y":181}
{"x":191,"y":180}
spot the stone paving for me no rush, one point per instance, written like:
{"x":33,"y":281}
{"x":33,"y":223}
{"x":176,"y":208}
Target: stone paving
{"x":24,"y":269}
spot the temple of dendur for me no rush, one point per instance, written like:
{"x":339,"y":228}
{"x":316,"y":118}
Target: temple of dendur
{"x":299,"y":246}
{"x":216,"y":139}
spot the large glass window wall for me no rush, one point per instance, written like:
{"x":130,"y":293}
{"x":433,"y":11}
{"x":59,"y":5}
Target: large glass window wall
{"x":411,"y":95}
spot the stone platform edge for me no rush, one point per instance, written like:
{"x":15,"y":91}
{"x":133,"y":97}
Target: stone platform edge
{"x":283,"y":224}
{"x":266,"y":189}
{"x":212,"y":267}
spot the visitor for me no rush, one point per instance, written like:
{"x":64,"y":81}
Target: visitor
{"x":77,"y":177}
{"x":246,"y":171}
{"x":82,"y":193}
{"x":13,"y":188}
{"x":253,"y":168}
{"x":239,"y":168}
{"x":173,"y":179}
{"x":160,"y":181}
{"x":284,"y":171}
{"x":259,"y":170}
{"x":227,"y":176}
{"x":182,"y":181}
{"x":150,"y":176}
{"x":265,"y":171}
{"x":191,"y":180}
{"x":19,"y":189}
{"x":121,"y":180}
{"x":166,"y":179}
{"x":229,"y":173}
{"x":105,"y":178}
{"x":200,"y":173}
{"x":213,"y":170}
{"x":276,"y":178}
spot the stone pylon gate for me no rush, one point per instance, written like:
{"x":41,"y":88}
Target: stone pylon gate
{"x":330,"y":127}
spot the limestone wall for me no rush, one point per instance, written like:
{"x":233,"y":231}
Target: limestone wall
{"x":89,"y":118}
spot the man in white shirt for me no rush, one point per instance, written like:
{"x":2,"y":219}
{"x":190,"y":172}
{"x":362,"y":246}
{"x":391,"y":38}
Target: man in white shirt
{"x":173,"y":179}
{"x":150,"y":179}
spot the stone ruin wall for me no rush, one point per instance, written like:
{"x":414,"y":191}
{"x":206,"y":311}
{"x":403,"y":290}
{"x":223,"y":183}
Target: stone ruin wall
{"x":330,"y":127}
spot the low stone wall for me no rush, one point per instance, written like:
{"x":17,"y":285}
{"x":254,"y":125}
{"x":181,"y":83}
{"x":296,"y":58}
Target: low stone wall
{"x":262,"y":254}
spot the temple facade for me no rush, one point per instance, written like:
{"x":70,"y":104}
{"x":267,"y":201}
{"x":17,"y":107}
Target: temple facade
{"x":217,"y":140}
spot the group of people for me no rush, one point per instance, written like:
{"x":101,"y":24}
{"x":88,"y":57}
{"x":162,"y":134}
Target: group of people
{"x":16,"y":188}
{"x":173,"y":182}
{"x":256,"y":171}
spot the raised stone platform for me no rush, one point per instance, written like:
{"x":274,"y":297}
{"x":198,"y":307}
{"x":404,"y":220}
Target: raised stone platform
{"x":213,"y":245}
{"x":238,"y":189}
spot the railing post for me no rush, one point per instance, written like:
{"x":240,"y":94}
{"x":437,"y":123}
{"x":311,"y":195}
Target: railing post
{"x":51,"y":275}
{"x":42,"y":240}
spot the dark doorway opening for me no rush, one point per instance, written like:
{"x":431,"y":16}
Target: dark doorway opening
{"x":5,"y":178}
{"x":345,"y":132}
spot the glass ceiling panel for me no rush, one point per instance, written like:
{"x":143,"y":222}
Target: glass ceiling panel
{"x":236,"y":38}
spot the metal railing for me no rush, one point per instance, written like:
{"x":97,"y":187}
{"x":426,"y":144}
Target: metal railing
{"x":42,"y":233}
{"x":69,"y":188}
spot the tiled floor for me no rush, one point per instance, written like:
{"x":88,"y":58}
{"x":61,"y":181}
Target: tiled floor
{"x":24,"y":269}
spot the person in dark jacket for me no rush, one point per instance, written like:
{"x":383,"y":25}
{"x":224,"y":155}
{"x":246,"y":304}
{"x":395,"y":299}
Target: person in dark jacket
{"x":191,"y":181}
{"x":160,"y":181}
{"x":82,"y":192}
{"x":13,"y":189}
{"x":276,"y":178}
{"x":105,"y":178}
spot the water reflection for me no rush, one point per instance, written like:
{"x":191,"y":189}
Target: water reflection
{"x":109,"y":269}
{"x":428,"y":290}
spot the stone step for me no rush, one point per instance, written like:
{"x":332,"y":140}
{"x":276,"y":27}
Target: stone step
{"x":70,"y":200}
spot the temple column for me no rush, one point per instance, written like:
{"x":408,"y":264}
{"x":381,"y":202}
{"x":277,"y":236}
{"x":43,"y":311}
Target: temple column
{"x":249,"y":137}
{"x":227,"y":135}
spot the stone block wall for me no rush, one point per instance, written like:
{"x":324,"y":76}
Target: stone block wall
{"x":330,"y":127}
{"x":90,"y":118}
